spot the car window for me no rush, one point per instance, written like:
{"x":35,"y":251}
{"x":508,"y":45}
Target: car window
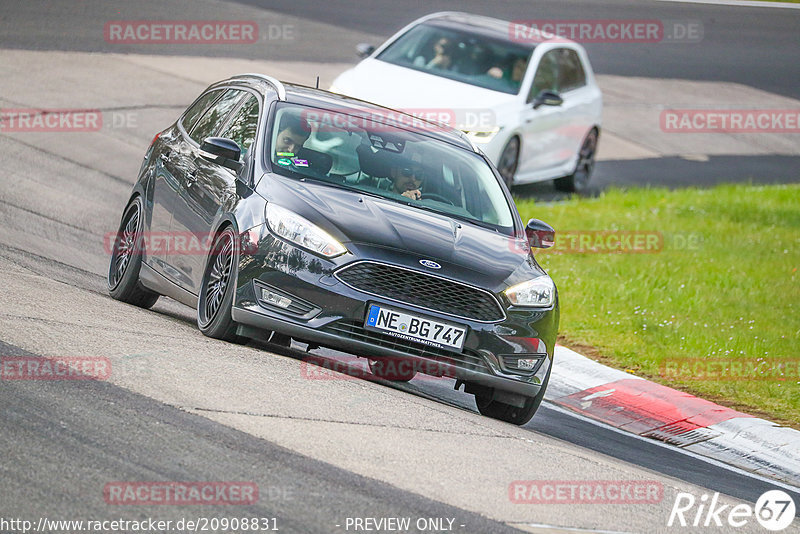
{"x":546,"y":77}
{"x":195,"y":110}
{"x":375,"y":153}
{"x":570,"y":70}
{"x":243,"y":125}
{"x":214,"y":117}
{"x":459,"y":55}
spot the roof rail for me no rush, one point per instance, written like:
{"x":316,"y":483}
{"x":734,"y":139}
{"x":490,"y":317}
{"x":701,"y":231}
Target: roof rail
{"x":269,"y":79}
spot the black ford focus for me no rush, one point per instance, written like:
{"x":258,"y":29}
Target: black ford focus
{"x":283,"y":212}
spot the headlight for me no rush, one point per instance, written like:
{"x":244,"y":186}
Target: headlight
{"x":483,"y":136}
{"x":539,"y":293}
{"x":292,"y":227}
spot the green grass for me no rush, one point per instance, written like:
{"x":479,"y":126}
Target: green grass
{"x":724,"y":287}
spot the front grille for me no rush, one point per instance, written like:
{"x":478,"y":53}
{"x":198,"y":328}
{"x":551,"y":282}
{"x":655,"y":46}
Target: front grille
{"x":423,"y":290}
{"x":354,"y":330}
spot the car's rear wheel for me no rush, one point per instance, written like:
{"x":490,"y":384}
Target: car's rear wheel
{"x":126,"y":259}
{"x":394,"y":369}
{"x":578,"y":181}
{"x":508,"y":412}
{"x":216,"y":293}
{"x":509,"y":158}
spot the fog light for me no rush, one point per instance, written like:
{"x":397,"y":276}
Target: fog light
{"x":522,"y":363}
{"x":275,"y":299}
{"x":527,"y":364}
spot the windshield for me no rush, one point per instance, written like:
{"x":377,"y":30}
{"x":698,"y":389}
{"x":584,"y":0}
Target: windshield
{"x":458,"y":55}
{"x":372,"y":153}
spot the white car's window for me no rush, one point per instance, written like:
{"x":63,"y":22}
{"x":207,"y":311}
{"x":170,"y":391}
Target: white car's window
{"x":376,"y":155}
{"x":559,"y":70}
{"x":466,"y":57}
{"x":570,"y":70}
{"x":546,"y":77}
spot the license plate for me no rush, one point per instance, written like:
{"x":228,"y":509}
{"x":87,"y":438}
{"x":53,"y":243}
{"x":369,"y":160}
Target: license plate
{"x":404,"y":325}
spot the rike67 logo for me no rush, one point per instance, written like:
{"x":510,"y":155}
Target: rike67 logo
{"x":774,"y":510}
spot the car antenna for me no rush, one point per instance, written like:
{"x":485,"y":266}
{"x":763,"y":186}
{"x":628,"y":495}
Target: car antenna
{"x":317,"y":82}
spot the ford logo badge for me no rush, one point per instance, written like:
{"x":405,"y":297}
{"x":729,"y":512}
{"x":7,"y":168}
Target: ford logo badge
{"x":430,"y":264}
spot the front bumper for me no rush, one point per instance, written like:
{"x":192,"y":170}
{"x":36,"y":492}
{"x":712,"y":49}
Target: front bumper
{"x":329,"y":313}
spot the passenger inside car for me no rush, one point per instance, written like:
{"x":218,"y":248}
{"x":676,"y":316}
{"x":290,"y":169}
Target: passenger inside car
{"x":510,"y":71}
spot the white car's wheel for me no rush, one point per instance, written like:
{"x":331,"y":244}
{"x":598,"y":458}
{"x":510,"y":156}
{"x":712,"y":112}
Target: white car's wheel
{"x":578,"y":181}
{"x":509,"y":158}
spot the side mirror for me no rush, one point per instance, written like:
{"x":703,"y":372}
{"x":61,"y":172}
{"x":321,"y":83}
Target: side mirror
{"x":364,"y":49}
{"x":222,"y":151}
{"x":540,"y":234}
{"x":547,"y":98}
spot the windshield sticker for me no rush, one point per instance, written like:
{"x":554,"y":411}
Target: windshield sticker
{"x":300,"y":162}
{"x":285,"y":154}
{"x":284,"y":161}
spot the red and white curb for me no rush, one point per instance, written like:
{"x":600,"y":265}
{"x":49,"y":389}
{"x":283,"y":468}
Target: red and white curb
{"x":651,"y":410}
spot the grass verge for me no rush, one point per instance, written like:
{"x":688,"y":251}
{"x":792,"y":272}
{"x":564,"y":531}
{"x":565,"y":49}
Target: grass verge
{"x":705,"y":296}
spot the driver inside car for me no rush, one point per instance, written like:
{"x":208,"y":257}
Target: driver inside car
{"x":407,"y":177}
{"x":293,"y":132}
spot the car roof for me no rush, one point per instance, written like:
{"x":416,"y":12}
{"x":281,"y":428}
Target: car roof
{"x":310,"y":96}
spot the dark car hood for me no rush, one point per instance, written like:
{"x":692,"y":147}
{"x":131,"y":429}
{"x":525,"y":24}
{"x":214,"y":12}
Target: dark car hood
{"x":362,"y":219}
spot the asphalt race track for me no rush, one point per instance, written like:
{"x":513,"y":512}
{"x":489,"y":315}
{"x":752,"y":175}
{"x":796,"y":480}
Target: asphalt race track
{"x":182,"y":407}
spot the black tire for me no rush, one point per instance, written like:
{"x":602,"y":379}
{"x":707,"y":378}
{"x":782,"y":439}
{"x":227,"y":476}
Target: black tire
{"x":509,"y":413}
{"x":216,"y":292}
{"x":578,"y":181}
{"x":394,"y":369}
{"x":509,"y":159}
{"x":126,"y":259}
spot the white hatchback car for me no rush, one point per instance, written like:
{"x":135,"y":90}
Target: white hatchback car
{"x":534,"y":108}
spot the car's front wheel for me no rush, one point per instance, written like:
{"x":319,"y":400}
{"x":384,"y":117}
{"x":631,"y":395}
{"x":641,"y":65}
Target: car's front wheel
{"x":508,"y":412}
{"x":216,"y":293}
{"x":578,"y":181}
{"x":126,"y":259}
